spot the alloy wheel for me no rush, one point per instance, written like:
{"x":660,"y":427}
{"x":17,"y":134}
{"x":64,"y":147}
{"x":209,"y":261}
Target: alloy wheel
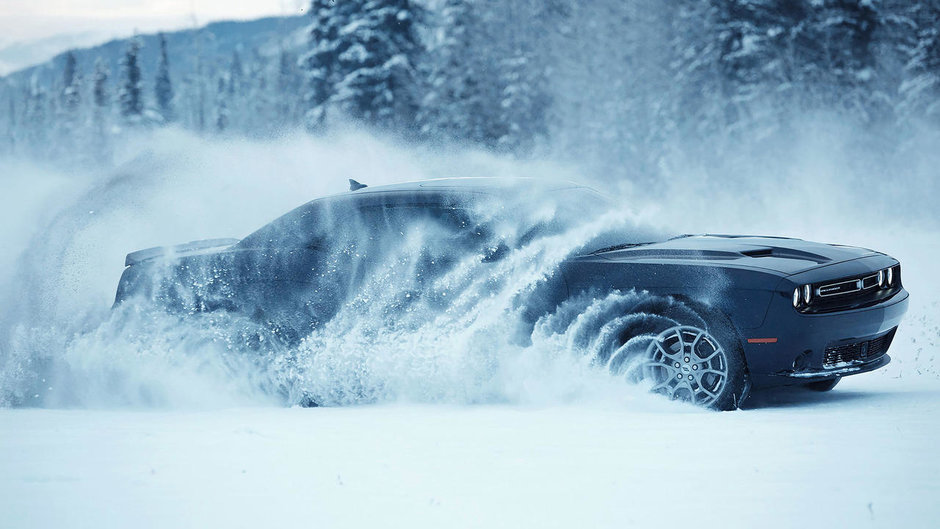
{"x":686,"y":363}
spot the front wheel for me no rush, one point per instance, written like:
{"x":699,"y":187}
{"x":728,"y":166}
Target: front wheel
{"x":685,"y":355}
{"x":687,"y":363}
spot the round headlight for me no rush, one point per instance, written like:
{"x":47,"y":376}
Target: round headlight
{"x":807,"y":293}
{"x":796,"y":297}
{"x":890,"y":276}
{"x":881,"y":278}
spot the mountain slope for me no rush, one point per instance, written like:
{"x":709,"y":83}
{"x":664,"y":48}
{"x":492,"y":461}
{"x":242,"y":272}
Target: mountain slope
{"x":212,"y":44}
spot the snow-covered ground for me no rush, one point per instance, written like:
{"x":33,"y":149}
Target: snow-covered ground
{"x":552,"y":453}
{"x":861,"y":456}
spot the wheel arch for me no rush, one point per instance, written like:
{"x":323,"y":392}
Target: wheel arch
{"x":713,"y":313}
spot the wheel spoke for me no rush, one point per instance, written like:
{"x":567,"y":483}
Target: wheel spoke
{"x":722,"y":374}
{"x":709,"y":393}
{"x":688,"y":386}
{"x":672,"y":356}
{"x":657,"y":365}
{"x":660,"y":385}
{"x":717,"y":352}
{"x":681,"y":341}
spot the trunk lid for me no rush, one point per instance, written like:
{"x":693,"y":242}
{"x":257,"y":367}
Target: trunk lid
{"x":180,"y":250}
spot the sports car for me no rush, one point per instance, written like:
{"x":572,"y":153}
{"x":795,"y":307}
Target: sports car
{"x":717,"y":316}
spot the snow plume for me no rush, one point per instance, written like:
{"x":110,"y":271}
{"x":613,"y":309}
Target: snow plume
{"x":466,"y":333}
{"x":466,"y":339}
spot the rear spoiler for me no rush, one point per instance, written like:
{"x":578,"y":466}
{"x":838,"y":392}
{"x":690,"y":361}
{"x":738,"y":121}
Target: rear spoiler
{"x":181,"y":249}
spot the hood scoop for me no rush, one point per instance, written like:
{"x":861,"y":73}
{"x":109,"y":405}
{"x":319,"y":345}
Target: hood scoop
{"x":786,"y":253}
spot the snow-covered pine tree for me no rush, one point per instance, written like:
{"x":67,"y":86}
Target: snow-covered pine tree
{"x":697,"y":92}
{"x":221,"y":105}
{"x":12,"y":123}
{"x":36,"y":118}
{"x":100,"y":95}
{"x":163,"y":86}
{"x":838,"y":63}
{"x":236,"y":75}
{"x":236,"y":88}
{"x":101,"y":111}
{"x":752,"y":39}
{"x":258,"y":107}
{"x":523,"y":104}
{"x":321,"y":63}
{"x":71,"y":91}
{"x":287,"y":89}
{"x":461,"y":87}
{"x":920,"y":88}
{"x":130,"y":95}
{"x":66,"y":134}
{"x":377,"y":66}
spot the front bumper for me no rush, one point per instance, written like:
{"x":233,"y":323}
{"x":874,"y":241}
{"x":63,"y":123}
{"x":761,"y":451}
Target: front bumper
{"x":807,"y":346}
{"x":800,"y":376}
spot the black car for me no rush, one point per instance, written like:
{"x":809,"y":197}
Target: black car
{"x":718,"y":314}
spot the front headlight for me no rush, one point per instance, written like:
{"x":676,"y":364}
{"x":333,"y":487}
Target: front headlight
{"x":796,"y":298}
{"x":881,"y":278}
{"x":807,"y":293}
{"x":890,"y":276}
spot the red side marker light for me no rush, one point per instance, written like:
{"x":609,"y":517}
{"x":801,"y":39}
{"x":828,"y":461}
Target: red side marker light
{"x":761,"y":340}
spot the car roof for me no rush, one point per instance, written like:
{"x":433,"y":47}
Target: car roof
{"x":481,"y":184}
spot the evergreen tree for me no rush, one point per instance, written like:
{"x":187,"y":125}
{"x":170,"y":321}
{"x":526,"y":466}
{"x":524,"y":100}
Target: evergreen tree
{"x":524,"y":104}
{"x":12,"y":125}
{"x":36,"y":118}
{"x":236,"y":76}
{"x":288,"y":85}
{"x":841,"y":62}
{"x":131,"y":93}
{"x":321,"y":63}
{"x":100,"y":85}
{"x":362,"y":62}
{"x":66,"y":128}
{"x":71,"y":93}
{"x":221,"y":105}
{"x":377,"y":67}
{"x":101,"y":113}
{"x":163,"y":87}
{"x":260,"y":115}
{"x":461,"y":85}
{"x":920,"y":89}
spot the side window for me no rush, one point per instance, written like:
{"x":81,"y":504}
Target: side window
{"x":322,"y":225}
{"x":309,"y":226}
{"x":437,"y":222}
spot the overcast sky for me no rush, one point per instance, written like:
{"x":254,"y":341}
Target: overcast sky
{"x":22,"y":20}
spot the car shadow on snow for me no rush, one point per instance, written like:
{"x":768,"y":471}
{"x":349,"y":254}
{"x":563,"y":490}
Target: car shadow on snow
{"x":791,"y":396}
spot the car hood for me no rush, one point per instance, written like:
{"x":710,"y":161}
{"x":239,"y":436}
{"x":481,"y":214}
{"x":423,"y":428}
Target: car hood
{"x":779,"y":254}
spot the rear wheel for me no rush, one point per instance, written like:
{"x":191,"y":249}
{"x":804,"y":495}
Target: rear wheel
{"x":823,"y":385}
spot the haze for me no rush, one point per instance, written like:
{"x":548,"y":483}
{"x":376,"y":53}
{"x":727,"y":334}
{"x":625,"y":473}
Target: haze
{"x":24,"y":20}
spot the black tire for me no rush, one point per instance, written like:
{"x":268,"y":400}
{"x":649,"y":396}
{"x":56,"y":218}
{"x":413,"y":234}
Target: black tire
{"x":727,"y":382}
{"x":823,"y":385}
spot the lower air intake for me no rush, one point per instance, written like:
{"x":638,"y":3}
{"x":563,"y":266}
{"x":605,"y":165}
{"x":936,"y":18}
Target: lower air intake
{"x":858,"y":352}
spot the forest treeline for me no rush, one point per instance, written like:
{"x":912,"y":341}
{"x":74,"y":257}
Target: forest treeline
{"x":626,"y":81}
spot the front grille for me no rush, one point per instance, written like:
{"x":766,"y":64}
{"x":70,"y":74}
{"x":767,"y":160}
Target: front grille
{"x":858,"y":352}
{"x":851,"y":293}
